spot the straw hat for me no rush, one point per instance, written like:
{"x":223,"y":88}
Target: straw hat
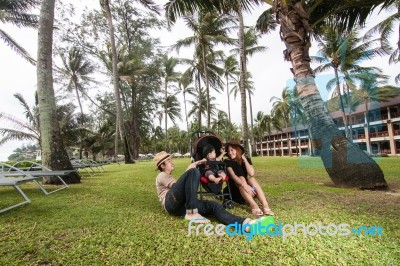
{"x":160,"y":157}
{"x":233,"y":143}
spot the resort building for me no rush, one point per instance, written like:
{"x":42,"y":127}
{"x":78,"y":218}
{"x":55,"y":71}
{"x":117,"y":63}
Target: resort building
{"x":381,"y":137}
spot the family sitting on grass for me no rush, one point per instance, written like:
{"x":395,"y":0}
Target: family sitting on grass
{"x":179,"y":197}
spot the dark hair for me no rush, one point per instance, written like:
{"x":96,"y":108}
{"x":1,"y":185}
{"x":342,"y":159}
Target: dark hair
{"x":207,"y":149}
{"x":160,"y":168}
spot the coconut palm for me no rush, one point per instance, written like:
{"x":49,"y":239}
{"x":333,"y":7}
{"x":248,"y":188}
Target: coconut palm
{"x":22,"y":130}
{"x":54,"y":155}
{"x":219,"y":122}
{"x":77,"y":70}
{"x":16,"y":12}
{"x":105,"y":6}
{"x":230,"y":70}
{"x":386,"y":28}
{"x":209,"y":29}
{"x":170,"y":75}
{"x":373,"y":88}
{"x":343,"y":52}
{"x":199,"y":106}
{"x":195,"y":73}
{"x":250,"y":47}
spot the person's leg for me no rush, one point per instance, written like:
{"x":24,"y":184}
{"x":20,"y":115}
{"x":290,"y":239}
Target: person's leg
{"x":261,"y":196}
{"x":250,"y":202}
{"x":207,"y":208}
{"x":214,"y":179}
{"x":181,"y":199}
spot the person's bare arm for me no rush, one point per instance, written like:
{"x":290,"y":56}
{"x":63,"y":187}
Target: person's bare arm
{"x":249,"y":167}
{"x":240,"y":181}
{"x":193,"y":165}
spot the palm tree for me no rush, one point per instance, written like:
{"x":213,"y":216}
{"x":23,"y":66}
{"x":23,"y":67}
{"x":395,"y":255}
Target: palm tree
{"x":196,"y":73}
{"x":373,"y":88}
{"x":23,"y":130}
{"x":105,"y":5}
{"x":386,"y":28}
{"x":343,"y":52}
{"x":54,"y":155}
{"x":199,"y":106}
{"x":184,"y":83}
{"x":250,"y":47}
{"x":219,"y":122}
{"x":281,"y":110}
{"x":77,"y":70}
{"x":173,"y":108}
{"x":263,"y":124}
{"x":209,"y":30}
{"x":230,"y":70}
{"x":16,"y":12}
{"x":170,"y":75}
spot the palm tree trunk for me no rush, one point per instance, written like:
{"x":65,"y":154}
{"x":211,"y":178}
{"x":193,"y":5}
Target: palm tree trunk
{"x":186,"y":117}
{"x":203,"y":51}
{"x":357,"y":170}
{"x":242,"y":83}
{"x":251,"y":120}
{"x":116,"y":141}
{"x":199,"y":93}
{"x":367,"y":134}
{"x":80,"y":107}
{"x":166,"y":113}
{"x":346,"y":129}
{"x":106,"y":7}
{"x":54,"y":155}
{"x":229,"y":101}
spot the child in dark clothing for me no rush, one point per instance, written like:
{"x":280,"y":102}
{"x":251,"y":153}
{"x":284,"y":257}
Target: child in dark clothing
{"x":212,"y":170}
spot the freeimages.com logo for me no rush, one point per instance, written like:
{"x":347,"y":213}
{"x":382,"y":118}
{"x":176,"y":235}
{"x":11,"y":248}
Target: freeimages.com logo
{"x":282,"y":230}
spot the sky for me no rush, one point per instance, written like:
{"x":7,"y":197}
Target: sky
{"x":270,"y":72}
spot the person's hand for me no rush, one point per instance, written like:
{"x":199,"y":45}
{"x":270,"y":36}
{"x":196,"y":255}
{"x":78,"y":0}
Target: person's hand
{"x":244,"y":157}
{"x":248,"y":189}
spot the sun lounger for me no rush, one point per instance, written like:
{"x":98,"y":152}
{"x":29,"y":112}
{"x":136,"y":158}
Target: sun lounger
{"x":13,"y":176}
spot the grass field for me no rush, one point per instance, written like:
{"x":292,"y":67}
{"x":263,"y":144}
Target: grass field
{"x":114,"y":218}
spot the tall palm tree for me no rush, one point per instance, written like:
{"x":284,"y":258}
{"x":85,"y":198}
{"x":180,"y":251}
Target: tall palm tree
{"x":54,"y":155}
{"x":105,"y":6}
{"x":230,"y":70}
{"x":209,"y":29}
{"x":196,"y":74}
{"x":170,"y":75}
{"x":343,"y":52}
{"x":281,"y":109}
{"x":250,"y":47}
{"x":184,"y":83}
{"x":219,"y":122}
{"x":16,"y":12}
{"x":263,"y":124}
{"x":173,"y":111}
{"x":373,"y":88}
{"x":199,"y":106}
{"x":77,"y":70}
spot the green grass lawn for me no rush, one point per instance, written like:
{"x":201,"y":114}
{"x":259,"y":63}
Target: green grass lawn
{"x":114,"y":218}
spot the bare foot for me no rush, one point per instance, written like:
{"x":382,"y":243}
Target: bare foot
{"x":196,"y":218}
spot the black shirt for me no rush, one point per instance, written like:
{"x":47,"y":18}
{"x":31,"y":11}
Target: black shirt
{"x":238,"y":169}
